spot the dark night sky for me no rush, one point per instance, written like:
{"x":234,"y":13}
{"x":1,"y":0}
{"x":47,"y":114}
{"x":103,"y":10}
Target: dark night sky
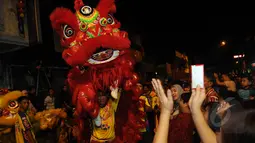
{"x":163,"y":29}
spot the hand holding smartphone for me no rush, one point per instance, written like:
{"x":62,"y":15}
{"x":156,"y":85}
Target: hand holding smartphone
{"x":197,"y":76}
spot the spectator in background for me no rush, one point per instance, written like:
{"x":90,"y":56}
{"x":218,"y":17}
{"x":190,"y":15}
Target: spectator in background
{"x":151,"y":96}
{"x":64,"y":97}
{"x":211,"y":94}
{"x":146,"y":100}
{"x":247,"y":92}
{"x":186,"y":87}
{"x":31,"y":108}
{"x":246,"y":88}
{"x":177,"y":91}
{"x":227,"y":82}
{"x":181,"y":126}
{"x":23,"y":127}
{"x":49,"y":101}
{"x":210,"y":103}
{"x":238,"y":127}
{"x":250,"y":104}
{"x":166,"y":104}
{"x":32,"y":95}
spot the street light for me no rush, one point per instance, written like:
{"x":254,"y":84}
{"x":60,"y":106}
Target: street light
{"x":223,"y":43}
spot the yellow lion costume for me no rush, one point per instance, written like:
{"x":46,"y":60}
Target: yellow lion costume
{"x":8,"y":102}
{"x":10,"y":108}
{"x":49,"y":118}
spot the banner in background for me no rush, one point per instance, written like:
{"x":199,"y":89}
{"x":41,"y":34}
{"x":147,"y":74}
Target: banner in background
{"x":1,"y":15}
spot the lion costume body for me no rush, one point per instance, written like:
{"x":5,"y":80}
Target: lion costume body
{"x":49,"y":118}
{"x":99,"y":53}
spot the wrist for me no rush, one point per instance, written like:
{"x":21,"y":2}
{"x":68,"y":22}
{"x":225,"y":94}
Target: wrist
{"x":165,"y":116}
{"x":166,"y":111}
{"x":196,"y":112}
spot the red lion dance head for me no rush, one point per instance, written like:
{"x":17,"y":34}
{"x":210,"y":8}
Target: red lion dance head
{"x":92,"y":39}
{"x":90,"y":36}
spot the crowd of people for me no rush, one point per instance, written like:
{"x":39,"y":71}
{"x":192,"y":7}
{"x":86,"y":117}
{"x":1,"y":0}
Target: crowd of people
{"x":50,"y":100}
{"x":220,"y":112}
{"x":29,"y":104}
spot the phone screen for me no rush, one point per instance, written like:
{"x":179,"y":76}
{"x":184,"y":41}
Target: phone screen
{"x":197,"y":75}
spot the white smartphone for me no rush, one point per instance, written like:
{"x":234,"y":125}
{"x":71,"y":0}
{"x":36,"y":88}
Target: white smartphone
{"x":197,"y":76}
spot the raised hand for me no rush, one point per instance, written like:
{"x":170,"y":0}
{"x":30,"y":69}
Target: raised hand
{"x":196,"y":100}
{"x":215,"y":75}
{"x":114,"y":90}
{"x":166,"y":100}
{"x":224,"y":106}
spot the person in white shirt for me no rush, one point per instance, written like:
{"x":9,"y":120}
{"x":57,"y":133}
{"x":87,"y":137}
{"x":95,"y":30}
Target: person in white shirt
{"x":49,"y":101}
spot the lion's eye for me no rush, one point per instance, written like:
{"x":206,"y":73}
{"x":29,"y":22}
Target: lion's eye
{"x":68,"y":31}
{"x":110,"y":19}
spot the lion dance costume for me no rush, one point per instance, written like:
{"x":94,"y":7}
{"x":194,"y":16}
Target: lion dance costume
{"x":9,"y":108}
{"x":9,"y":118}
{"x":100,"y":56}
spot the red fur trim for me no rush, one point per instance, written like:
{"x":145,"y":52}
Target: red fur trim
{"x":128,"y":121}
{"x":71,"y":84}
{"x":74,"y":73}
{"x":75,"y":77}
{"x":113,"y":9}
{"x":103,"y":79}
{"x":62,"y":16}
{"x":75,"y":96}
{"x":104,"y":7}
{"x":117,"y":23}
{"x":78,"y":4}
{"x":84,"y":130}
